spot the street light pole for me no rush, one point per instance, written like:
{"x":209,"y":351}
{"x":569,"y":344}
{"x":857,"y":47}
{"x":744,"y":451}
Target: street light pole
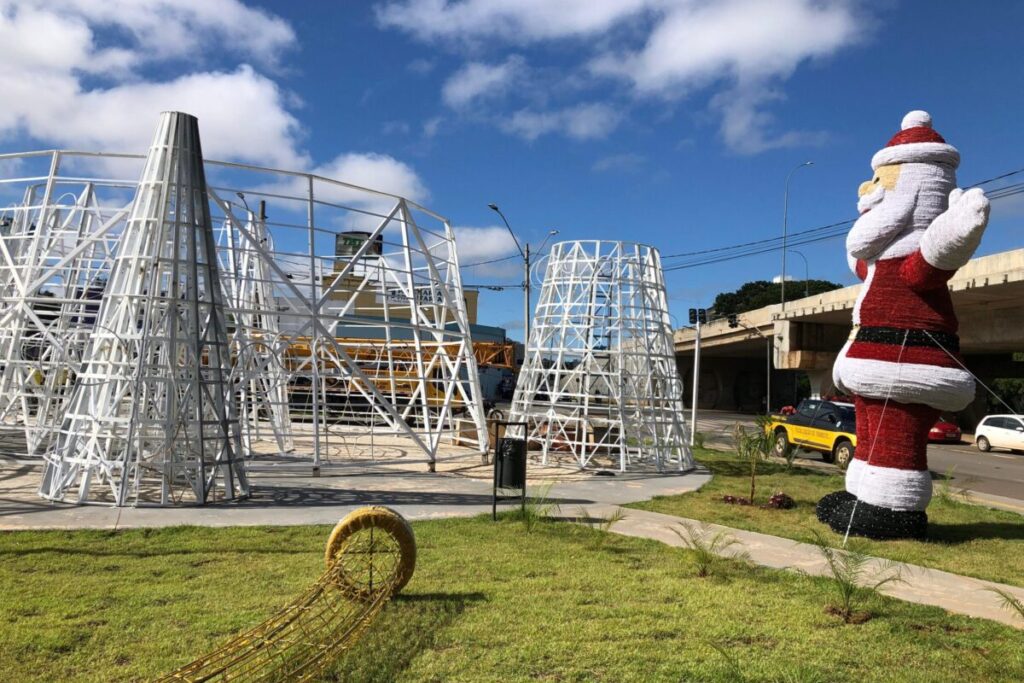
{"x":526,"y":298}
{"x":807,"y":271}
{"x":785,"y":228}
{"x":525,"y":253}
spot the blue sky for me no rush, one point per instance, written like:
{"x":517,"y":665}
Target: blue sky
{"x":671,"y":122}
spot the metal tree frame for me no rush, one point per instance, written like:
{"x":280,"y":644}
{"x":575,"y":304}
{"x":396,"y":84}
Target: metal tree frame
{"x":599,"y":386}
{"x":330,"y":360}
{"x":151,"y":398}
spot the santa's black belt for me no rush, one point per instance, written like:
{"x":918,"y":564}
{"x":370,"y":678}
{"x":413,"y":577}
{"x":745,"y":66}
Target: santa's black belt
{"x":904,"y":337}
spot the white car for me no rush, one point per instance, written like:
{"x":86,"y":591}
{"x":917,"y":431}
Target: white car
{"x":1000,"y":431}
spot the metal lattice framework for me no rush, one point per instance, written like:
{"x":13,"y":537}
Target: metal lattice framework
{"x":330,"y":358}
{"x":151,"y":397}
{"x":599,"y":385}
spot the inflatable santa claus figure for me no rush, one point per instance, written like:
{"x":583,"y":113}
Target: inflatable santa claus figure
{"x":902,"y":361}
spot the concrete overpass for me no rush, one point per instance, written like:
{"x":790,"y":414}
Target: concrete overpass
{"x":988,"y":294}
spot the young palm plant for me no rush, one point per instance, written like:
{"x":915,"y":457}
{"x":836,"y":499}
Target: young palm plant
{"x":853,"y":579}
{"x":754,"y":446}
{"x":709,"y":547}
{"x":603,"y":523}
{"x":538,"y":507}
{"x":1010,"y":601}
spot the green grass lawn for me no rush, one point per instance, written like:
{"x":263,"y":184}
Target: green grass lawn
{"x":489,"y":602}
{"x":962,"y":538}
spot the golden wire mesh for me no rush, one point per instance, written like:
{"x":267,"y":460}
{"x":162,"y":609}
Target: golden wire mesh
{"x":370,"y":557}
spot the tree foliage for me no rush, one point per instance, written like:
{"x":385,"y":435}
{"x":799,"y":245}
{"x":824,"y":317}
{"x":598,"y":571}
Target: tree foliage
{"x":762,"y":293}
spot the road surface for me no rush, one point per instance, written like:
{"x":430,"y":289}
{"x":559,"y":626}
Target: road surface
{"x":999,"y":473}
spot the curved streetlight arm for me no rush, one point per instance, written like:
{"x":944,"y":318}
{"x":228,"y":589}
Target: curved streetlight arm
{"x":807,"y":270}
{"x":494,"y":208}
{"x":551,"y":233}
{"x":785,"y":231}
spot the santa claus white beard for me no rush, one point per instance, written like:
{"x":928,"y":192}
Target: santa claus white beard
{"x":870,"y":200}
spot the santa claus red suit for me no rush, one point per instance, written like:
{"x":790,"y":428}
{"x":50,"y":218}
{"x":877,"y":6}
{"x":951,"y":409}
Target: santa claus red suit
{"x":902,"y":362}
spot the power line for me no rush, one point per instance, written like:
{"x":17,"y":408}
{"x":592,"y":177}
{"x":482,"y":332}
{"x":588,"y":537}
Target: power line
{"x":768,"y":239}
{"x":493,"y":260}
{"x":810,"y":236}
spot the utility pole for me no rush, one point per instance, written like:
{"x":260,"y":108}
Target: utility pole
{"x":526,"y":300}
{"x":697,"y":317}
{"x":525,"y":253}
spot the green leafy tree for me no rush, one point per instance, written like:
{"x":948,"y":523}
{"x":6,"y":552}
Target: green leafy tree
{"x":761,"y":293}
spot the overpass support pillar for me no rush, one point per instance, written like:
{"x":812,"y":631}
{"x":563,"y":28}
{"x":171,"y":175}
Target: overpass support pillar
{"x":821,"y":381}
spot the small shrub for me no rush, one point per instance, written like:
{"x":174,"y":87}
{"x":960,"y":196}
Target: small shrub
{"x":848,"y":575}
{"x":698,"y":439}
{"x":709,"y":547}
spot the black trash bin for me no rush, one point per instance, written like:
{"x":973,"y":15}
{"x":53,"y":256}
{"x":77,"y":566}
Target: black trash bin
{"x":509,"y":466}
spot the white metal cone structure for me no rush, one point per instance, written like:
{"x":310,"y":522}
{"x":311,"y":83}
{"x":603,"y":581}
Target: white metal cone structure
{"x":599,"y":386}
{"x":256,"y":342}
{"x":151,"y":416}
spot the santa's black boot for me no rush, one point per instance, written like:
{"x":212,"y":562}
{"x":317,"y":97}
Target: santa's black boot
{"x":871,"y":521}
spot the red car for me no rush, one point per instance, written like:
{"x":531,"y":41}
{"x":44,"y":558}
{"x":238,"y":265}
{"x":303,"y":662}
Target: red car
{"x":944,"y":431}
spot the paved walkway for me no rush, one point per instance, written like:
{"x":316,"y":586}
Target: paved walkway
{"x":288,"y":499}
{"x":952,"y":592}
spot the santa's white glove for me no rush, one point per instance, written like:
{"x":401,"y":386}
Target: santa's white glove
{"x":951,"y":239}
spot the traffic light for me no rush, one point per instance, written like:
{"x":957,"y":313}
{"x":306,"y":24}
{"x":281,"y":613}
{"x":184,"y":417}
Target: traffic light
{"x":702,"y":315}
{"x":693,"y":316}
{"x":733,"y":322}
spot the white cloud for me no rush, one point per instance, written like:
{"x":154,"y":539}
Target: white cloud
{"x":50,"y":47}
{"x":355,"y":197}
{"x":242,"y":116}
{"x":479,"y":244}
{"x":77,"y":74}
{"x":431,"y":126}
{"x":518,"y":21}
{"x":741,"y":51}
{"x":750,"y":46}
{"x":395,"y":128}
{"x":580,"y":122}
{"x":484,"y":243}
{"x":476,"y":80}
{"x":747,"y":128}
{"x":626,"y":162}
{"x":420,"y":66}
{"x":377,"y":171}
{"x":153,"y":30}
{"x":742,"y":40}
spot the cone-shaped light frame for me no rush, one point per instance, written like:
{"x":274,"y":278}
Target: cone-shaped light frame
{"x":599,"y":386}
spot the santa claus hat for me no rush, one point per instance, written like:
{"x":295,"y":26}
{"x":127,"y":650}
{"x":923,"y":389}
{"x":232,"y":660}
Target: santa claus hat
{"x":917,"y":143}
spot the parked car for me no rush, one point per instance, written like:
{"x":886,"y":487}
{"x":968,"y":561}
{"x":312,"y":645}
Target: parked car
{"x":944,"y":431}
{"x":828,"y":427}
{"x":1000,"y":431}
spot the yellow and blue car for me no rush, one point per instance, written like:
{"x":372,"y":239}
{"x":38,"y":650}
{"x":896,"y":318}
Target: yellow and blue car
{"x":828,"y":427}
